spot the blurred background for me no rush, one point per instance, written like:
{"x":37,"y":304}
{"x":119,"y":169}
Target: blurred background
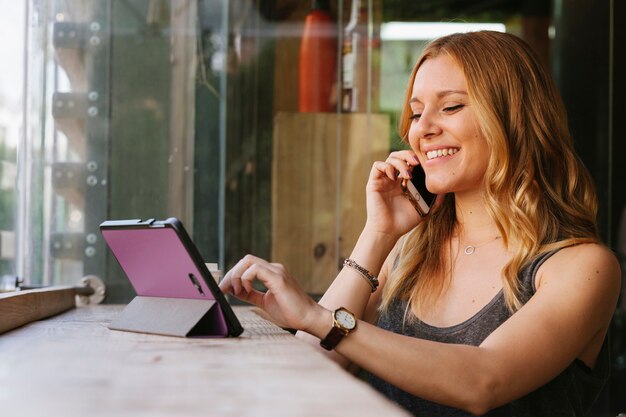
{"x":256,"y":123}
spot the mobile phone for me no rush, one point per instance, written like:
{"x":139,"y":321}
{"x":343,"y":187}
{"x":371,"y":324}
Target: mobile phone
{"x":417,"y":193}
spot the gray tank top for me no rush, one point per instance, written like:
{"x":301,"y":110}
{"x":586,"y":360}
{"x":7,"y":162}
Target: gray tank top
{"x":571,"y":393}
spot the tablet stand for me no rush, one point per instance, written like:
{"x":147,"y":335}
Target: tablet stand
{"x":183,"y":317}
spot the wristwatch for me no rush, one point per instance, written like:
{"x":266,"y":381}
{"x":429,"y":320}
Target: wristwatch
{"x":343,"y":323}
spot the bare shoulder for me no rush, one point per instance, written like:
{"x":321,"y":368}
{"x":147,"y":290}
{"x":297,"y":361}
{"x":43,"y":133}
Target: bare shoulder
{"x":592,"y":263}
{"x":568,"y":317}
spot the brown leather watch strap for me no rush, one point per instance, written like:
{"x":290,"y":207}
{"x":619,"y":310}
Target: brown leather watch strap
{"x":333,"y":338}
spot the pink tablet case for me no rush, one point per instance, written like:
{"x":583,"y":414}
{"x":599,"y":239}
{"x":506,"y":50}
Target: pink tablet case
{"x":172,"y":295}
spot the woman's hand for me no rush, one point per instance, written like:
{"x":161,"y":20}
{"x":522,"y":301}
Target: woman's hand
{"x":388,"y":210}
{"x":287,"y":303}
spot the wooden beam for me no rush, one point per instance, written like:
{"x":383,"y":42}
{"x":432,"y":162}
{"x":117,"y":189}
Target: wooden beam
{"x":23,"y":307}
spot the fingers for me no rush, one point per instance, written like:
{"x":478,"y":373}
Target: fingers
{"x":239,"y":280}
{"x":407,"y":156}
{"x":398,"y":164}
{"x":232,"y":282}
{"x":258,"y":270}
{"x":403,"y":162}
{"x":386,"y":169}
{"x":253,"y":297}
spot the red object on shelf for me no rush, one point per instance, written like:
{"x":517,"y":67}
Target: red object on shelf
{"x":318,"y":60}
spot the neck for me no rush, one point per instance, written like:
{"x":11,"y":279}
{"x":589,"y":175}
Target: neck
{"x":473,"y":221}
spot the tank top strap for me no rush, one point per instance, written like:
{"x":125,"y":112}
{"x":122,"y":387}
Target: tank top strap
{"x":528,"y":275}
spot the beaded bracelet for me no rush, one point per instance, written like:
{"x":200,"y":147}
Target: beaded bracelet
{"x":371,"y":279}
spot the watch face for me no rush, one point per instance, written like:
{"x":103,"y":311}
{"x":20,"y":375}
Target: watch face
{"x":345,"y":319}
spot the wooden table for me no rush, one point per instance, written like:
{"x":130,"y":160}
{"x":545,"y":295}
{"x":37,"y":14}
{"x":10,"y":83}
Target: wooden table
{"x":73,"y":365}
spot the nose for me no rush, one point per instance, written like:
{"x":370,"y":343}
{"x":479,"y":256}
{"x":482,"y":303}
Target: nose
{"x":426,"y":127}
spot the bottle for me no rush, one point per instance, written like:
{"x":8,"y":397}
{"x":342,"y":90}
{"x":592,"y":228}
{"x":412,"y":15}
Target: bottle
{"x":361,"y":58}
{"x":349,"y":51}
{"x":318,"y":59}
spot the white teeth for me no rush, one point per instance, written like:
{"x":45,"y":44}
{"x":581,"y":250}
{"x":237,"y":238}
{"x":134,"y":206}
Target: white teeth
{"x":441,"y":152}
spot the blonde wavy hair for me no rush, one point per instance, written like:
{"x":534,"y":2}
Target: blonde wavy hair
{"x":537,"y":190}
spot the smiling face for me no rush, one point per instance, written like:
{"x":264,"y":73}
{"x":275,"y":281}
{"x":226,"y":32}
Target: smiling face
{"x":444,"y":130}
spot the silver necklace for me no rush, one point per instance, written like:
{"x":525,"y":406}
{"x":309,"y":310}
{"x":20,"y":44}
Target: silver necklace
{"x":470,"y":249}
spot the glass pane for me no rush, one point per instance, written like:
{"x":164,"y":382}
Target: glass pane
{"x":12,"y":31}
{"x":299,"y":142}
{"x":65,"y":168}
{"x":111,"y":129}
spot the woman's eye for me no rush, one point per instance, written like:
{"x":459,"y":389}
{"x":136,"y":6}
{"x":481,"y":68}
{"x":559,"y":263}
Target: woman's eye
{"x":415,"y":116}
{"x":453,"y":108}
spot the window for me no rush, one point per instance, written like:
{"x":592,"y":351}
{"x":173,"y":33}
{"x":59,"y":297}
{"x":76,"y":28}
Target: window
{"x":140,"y":109}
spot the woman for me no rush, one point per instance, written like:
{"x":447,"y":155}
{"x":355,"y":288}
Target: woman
{"x":500,"y":299}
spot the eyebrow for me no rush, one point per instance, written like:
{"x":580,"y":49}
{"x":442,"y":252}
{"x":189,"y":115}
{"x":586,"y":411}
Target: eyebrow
{"x":440,"y":94}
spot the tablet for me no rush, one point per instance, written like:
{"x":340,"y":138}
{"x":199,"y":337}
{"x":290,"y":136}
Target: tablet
{"x":176,"y":293}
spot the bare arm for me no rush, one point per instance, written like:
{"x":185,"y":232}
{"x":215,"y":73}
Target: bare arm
{"x":567,"y":318}
{"x":351,"y":291}
{"x":390,"y":215}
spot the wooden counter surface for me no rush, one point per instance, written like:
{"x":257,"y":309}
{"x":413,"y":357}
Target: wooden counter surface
{"x":73,"y":365}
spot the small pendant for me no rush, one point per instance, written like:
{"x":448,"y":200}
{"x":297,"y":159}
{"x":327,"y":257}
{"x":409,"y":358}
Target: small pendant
{"x":469,"y":249}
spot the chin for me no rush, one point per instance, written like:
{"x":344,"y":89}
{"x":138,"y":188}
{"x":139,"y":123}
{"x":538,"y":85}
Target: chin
{"x":437,"y":187}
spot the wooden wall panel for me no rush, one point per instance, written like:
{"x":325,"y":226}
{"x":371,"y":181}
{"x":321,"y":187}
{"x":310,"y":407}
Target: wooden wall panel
{"x":318,"y":202}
